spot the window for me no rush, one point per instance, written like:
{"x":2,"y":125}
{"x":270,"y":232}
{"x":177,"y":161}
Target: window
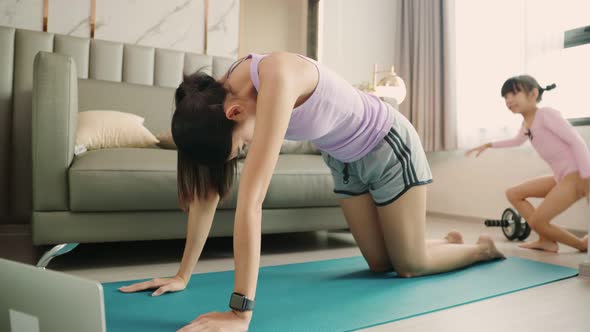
{"x":499,"y":39}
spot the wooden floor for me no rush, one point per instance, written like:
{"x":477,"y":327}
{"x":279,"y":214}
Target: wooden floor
{"x":560,"y":306}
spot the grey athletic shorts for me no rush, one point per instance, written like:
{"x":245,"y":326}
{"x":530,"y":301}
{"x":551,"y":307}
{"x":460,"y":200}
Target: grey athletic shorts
{"x":395,"y":165}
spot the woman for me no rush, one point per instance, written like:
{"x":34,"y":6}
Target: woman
{"x":376,"y":158}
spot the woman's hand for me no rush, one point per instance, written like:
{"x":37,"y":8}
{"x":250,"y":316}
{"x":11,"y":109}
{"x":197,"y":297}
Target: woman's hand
{"x":228,"y":321}
{"x":161,"y":285}
{"x":478,"y":149}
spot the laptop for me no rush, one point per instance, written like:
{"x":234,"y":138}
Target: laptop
{"x":39,"y":300}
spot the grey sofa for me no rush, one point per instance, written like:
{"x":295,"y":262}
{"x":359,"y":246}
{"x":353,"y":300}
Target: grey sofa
{"x":130,"y":194}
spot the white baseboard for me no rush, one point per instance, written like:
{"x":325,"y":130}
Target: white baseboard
{"x":585,"y":270}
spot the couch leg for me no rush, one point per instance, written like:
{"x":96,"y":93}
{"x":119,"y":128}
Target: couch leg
{"x":57,"y":250}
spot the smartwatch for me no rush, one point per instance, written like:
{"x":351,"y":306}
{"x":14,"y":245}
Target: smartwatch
{"x":239,"y":302}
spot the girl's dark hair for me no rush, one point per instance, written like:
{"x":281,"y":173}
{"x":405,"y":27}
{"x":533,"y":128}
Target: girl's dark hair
{"x":203,"y":136}
{"x":524,"y":83}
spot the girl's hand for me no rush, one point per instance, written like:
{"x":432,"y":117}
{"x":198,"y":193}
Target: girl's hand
{"x":478,"y":149}
{"x":229,"y":321}
{"x":161,"y":285}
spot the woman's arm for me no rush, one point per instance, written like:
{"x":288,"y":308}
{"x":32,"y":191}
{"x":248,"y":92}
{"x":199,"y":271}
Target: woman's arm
{"x":279,"y":89}
{"x":280,"y":86}
{"x":200,"y":218}
{"x":554,"y":122}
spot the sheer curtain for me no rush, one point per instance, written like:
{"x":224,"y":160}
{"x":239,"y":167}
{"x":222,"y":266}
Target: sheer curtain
{"x":502,"y":38}
{"x":424,"y":59}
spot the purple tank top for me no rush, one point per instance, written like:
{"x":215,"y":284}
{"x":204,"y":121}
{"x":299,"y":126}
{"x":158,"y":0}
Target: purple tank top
{"x":337,"y":118}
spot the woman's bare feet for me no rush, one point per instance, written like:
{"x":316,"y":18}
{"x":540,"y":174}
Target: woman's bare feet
{"x":454,"y":237}
{"x":544,"y":245}
{"x":489,"y":248}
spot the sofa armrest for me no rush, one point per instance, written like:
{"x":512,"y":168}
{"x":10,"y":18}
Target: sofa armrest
{"x":55,"y":109}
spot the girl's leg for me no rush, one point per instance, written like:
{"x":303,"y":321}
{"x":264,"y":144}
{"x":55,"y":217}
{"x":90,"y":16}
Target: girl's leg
{"x":561,"y":197}
{"x":518,"y":195}
{"x":362,"y":219}
{"x":403,"y":224}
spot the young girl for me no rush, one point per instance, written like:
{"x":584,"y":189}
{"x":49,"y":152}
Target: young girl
{"x":556,"y":141}
{"x":376,"y":158}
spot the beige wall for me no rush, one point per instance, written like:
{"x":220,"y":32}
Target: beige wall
{"x":355,"y":36}
{"x":273,"y":25}
{"x":475,"y":186}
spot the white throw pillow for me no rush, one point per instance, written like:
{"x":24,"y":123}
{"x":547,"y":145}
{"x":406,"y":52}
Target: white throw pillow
{"x":100,"y":129}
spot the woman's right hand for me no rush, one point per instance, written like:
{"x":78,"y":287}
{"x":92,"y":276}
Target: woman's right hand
{"x":161,"y":286}
{"x":478,"y":149}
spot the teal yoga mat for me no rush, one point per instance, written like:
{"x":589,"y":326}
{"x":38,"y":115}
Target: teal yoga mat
{"x":330,"y":295}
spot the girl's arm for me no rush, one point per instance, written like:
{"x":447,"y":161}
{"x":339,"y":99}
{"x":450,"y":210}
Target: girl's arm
{"x":277,"y":94}
{"x":517,"y":140}
{"x":554,"y":122}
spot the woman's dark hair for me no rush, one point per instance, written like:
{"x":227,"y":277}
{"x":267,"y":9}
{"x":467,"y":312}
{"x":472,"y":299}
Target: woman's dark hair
{"x":524,"y":83}
{"x":203,"y":136}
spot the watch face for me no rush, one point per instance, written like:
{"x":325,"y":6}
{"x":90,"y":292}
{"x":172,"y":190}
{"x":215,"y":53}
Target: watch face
{"x":236,"y":302}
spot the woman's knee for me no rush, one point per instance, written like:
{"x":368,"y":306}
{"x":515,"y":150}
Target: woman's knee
{"x":410,"y":273}
{"x":378,"y":263}
{"x":413,"y":267}
{"x":380,"y":267}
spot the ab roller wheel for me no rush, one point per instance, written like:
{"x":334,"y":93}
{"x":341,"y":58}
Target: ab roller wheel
{"x":513,"y":226}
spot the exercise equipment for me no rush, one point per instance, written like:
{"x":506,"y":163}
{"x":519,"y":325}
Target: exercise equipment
{"x":513,"y":225}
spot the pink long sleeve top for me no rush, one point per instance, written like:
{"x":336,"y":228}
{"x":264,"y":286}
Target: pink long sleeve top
{"x":556,"y":141}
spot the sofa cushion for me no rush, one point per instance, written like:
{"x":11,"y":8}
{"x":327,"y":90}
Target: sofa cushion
{"x":145,"y":179}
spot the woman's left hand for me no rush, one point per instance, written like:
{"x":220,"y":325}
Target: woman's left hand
{"x":219,"y":321}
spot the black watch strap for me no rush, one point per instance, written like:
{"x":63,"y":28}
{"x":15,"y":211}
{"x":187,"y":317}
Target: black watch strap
{"x":239,"y":302}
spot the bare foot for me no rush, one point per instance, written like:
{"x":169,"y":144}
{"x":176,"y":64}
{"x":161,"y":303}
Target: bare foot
{"x":584,"y":244}
{"x":490,"y":252}
{"x":454,"y":237}
{"x":545,"y":245}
